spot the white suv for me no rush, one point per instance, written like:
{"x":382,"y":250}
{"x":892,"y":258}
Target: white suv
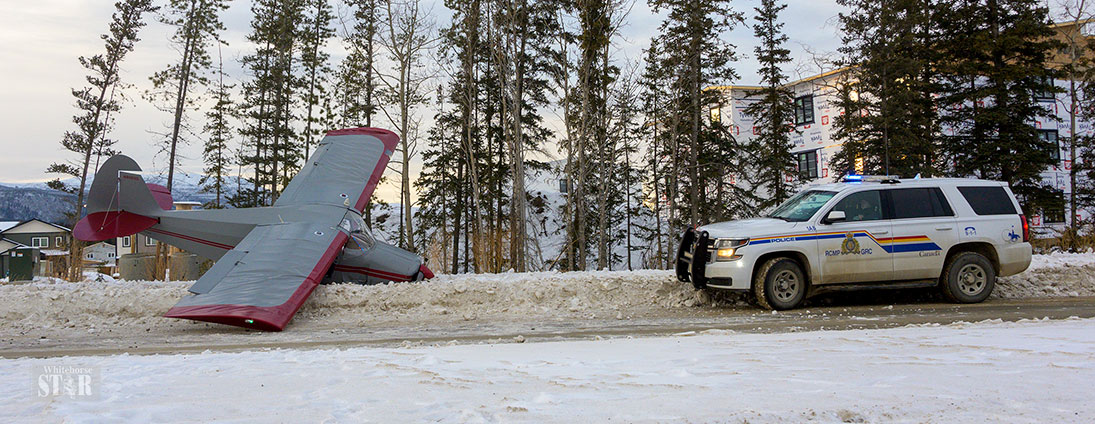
{"x":959,"y":234}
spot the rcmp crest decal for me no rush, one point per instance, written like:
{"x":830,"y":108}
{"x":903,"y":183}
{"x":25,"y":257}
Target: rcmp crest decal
{"x":850,"y":245}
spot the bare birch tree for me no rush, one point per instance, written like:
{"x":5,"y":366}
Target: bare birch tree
{"x":407,"y":36}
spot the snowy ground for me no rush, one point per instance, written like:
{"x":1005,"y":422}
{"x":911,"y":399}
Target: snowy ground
{"x":55,"y":309}
{"x":1031,"y":371}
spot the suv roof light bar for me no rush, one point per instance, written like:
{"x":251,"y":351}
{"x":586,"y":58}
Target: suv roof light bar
{"x":852,"y":177}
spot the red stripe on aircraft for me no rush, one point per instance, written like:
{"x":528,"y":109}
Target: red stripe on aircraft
{"x":372,"y":272}
{"x":193,"y":239}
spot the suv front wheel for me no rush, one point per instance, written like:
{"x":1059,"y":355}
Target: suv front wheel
{"x":968,"y":278}
{"x":779,"y":284}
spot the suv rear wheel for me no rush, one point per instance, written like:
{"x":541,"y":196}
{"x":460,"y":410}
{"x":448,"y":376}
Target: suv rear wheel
{"x":968,"y":278}
{"x":779,"y":284}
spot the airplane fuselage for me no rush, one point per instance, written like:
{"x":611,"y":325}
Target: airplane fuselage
{"x":210,"y":233}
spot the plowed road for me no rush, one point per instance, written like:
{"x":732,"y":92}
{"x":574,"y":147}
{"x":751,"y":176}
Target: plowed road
{"x":742,"y":319}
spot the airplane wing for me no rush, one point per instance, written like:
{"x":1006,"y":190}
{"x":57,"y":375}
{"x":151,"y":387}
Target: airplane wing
{"x":263,"y":281}
{"x":345,"y":169}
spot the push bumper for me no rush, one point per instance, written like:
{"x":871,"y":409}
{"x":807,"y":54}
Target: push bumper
{"x":692,"y":257}
{"x":694,"y":265}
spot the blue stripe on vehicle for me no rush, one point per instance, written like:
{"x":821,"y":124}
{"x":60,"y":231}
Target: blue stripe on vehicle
{"x":913,"y":247}
{"x":889,"y":248}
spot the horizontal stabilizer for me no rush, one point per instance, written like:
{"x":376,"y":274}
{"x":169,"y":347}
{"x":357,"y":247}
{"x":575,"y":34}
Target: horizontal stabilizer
{"x":101,"y":226}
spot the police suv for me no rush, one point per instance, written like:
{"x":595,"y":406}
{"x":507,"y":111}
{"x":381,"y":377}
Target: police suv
{"x":959,"y":234}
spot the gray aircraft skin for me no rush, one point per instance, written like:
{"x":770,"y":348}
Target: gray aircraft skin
{"x":268,"y":259}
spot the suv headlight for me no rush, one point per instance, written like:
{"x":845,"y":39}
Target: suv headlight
{"x":726,"y":249}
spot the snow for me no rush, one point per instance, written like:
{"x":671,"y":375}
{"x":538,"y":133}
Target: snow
{"x":1058,"y":274}
{"x":1061,"y":260}
{"x":1029,"y":371}
{"x":52,"y":305}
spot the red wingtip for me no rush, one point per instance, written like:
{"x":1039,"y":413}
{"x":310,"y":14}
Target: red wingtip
{"x":254,"y":317}
{"x":106,"y":225}
{"x":426,"y":273}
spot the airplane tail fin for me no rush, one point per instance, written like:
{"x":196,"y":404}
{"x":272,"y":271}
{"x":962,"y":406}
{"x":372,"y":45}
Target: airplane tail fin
{"x":120,"y":203}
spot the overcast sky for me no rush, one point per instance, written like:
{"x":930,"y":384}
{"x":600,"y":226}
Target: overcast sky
{"x":40,"y":42}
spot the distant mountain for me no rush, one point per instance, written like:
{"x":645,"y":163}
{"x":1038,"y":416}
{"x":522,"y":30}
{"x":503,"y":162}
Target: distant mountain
{"x":23,"y":202}
{"x":19,"y":202}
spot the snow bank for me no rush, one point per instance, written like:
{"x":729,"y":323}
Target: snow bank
{"x":542,"y":294}
{"x":52,"y":304}
{"x":1026,"y":372}
{"x":1054,"y":275}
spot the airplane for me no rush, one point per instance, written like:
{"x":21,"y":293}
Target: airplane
{"x":268,"y":259}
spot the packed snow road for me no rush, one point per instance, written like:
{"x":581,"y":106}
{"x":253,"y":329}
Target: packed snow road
{"x":57,"y":318}
{"x":1032,"y":371}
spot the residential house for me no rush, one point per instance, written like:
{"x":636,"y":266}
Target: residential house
{"x":52,"y":240}
{"x":99,"y":256}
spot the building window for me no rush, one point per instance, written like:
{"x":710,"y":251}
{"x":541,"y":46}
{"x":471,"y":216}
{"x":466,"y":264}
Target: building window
{"x":804,"y":110}
{"x":1046,"y":93}
{"x":1055,"y":212}
{"x":110,"y":254}
{"x":59,"y":241}
{"x":807,"y":165}
{"x":716,"y":114}
{"x":89,"y":256}
{"x":1050,"y":137}
{"x":1054,"y":216}
{"x":39,"y":242}
{"x":125,"y":241}
{"x":148,"y":241}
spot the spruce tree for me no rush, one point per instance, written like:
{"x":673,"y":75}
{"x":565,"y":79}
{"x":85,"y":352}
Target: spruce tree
{"x":654,"y":80}
{"x":218,"y":132}
{"x":994,"y":67}
{"x":770,"y":150}
{"x":315,"y":30}
{"x":268,"y":111}
{"x":692,"y":34}
{"x":96,"y":103}
{"x":889,"y":124}
{"x":197,"y":24}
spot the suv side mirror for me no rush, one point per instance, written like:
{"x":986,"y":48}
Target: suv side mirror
{"x":835,"y":216}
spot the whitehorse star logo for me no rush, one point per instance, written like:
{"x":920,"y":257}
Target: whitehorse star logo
{"x":51,"y":381}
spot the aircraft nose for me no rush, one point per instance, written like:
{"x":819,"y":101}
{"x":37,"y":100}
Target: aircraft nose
{"x":426,"y":273}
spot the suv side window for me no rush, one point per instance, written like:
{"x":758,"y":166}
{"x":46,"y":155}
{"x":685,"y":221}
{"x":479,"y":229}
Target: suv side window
{"x":988,"y":200}
{"x":861,"y":206}
{"x":919,"y":203}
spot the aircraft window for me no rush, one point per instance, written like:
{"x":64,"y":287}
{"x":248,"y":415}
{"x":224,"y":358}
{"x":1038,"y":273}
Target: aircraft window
{"x":360,"y":235}
{"x":352,"y":223}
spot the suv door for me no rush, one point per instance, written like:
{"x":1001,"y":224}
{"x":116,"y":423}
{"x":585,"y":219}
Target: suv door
{"x":924,"y":226}
{"x":847,"y":249}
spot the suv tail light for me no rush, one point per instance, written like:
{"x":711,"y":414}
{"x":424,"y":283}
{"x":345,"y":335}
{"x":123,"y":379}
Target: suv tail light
{"x":1026,"y":228}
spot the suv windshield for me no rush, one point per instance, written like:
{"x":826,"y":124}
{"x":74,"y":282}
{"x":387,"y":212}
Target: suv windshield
{"x":802,"y":206}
